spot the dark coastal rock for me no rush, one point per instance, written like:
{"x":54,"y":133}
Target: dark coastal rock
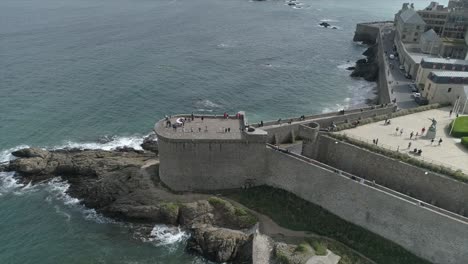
{"x":367,"y":68}
{"x":219,"y":244}
{"x":125,"y":184}
{"x":150,"y":143}
{"x":351,"y":68}
{"x":324,"y":24}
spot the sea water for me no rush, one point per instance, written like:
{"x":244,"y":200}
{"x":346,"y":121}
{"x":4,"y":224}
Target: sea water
{"x":99,"y":73}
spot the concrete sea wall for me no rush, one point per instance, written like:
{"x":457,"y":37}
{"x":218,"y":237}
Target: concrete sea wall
{"x":426,"y":233}
{"x":427,"y":186}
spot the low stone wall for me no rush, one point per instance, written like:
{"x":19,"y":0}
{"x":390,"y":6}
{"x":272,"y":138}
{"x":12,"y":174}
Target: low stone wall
{"x":284,"y":133}
{"x":426,"y":233}
{"x":427,"y":186}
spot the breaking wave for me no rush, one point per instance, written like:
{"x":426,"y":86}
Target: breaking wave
{"x":163,"y":235}
{"x":108,"y":143}
{"x":206,"y":104}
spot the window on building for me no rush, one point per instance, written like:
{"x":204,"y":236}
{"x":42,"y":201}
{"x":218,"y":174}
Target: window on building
{"x":417,"y":27}
{"x":415,"y":39}
{"x":449,"y":90}
{"x":429,"y":87}
{"x":416,"y":33}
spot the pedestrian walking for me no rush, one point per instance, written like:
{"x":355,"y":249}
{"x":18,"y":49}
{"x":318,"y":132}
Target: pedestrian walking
{"x":411,"y":135}
{"x":423,"y":130}
{"x":440,"y":141}
{"x":409,"y":145}
{"x":401,"y":131}
{"x":373,"y":141}
{"x":432,"y":141}
{"x":396,"y":131}
{"x":376,"y":141}
{"x":451,"y":111}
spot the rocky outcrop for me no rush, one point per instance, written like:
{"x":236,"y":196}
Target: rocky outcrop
{"x":367,"y":68}
{"x":124,"y":184}
{"x":220,"y":244}
{"x":150,"y":143}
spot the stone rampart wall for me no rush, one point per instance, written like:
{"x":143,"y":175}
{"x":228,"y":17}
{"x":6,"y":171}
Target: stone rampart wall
{"x":207,"y":166}
{"x":426,"y":233}
{"x":417,"y":182}
{"x":366,"y":33}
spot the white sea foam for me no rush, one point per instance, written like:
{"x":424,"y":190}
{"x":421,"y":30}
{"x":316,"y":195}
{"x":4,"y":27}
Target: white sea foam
{"x":328,"y":20}
{"x":112,"y":143}
{"x":163,"y":235}
{"x":205,"y":103}
{"x":8,"y":183}
{"x":5,"y":155}
{"x":360,"y":90}
{"x":57,"y":188}
{"x":346,"y":65}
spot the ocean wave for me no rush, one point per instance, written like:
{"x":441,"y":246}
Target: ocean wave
{"x":8,"y":183}
{"x":346,"y":65}
{"x":163,"y":235}
{"x":328,"y":20}
{"x":57,"y":189}
{"x":205,"y":103}
{"x":5,"y":155}
{"x":110,"y":143}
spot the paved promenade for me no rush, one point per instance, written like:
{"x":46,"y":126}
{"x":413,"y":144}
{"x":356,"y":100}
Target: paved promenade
{"x":449,"y":153}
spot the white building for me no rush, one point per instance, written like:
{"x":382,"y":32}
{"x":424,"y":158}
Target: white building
{"x":446,"y":87}
{"x":428,"y":65}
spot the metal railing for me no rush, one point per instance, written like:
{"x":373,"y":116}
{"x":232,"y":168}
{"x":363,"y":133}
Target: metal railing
{"x":372,"y":184}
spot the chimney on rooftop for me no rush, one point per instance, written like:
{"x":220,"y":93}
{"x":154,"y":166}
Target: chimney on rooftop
{"x":405,"y":6}
{"x":412,"y":6}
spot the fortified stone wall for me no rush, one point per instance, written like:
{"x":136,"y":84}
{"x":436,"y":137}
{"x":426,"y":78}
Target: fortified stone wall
{"x":284,"y":133}
{"x":432,"y":188}
{"x":428,"y":234}
{"x":366,"y":33}
{"x":211,"y":165}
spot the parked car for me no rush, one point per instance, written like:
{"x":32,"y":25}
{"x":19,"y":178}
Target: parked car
{"x":416,"y":95}
{"x":408,"y":76}
{"x":413,"y":87}
{"x":391,"y":56}
{"x":421,"y":101}
{"x":402,"y":67}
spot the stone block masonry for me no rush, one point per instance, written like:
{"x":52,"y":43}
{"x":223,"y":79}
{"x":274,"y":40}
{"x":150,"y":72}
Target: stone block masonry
{"x":430,"y":187}
{"x":426,"y":233}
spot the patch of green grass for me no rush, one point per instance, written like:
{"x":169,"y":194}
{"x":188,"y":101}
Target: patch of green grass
{"x":294,"y":213}
{"x":460,"y":127}
{"x":464,"y":141}
{"x":320,"y":248}
{"x":243,"y":217}
{"x":282,"y":258}
{"x":302,"y":248}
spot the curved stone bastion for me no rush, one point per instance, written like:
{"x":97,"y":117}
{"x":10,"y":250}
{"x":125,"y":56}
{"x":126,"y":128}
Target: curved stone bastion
{"x":206,"y":153}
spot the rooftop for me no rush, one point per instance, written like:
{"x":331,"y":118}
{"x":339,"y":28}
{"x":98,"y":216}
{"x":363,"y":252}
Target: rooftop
{"x":411,"y":17}
{"x":442,"y":61}
{"x":449,"y":77}
{"x":452,"y":74}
